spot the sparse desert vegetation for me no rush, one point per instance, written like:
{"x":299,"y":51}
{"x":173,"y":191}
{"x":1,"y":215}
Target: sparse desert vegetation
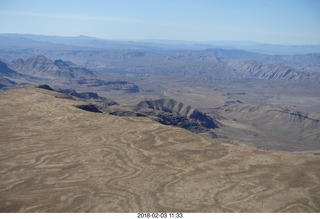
{"x":58,"y":158}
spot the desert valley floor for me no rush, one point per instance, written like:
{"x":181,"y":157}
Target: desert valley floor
{"x":56,"y":157}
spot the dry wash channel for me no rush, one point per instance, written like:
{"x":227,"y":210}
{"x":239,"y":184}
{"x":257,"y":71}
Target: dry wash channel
{"x":55,"y":157}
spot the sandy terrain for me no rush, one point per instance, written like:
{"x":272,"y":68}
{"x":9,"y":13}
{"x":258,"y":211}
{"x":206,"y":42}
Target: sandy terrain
{"x":55,"y":157}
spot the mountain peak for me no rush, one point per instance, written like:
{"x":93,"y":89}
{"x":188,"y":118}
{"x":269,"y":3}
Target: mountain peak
{"x":60,"y":63}
{"x":39,"y":57}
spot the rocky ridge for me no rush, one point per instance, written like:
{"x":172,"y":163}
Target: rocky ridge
{"x":166,"y":111}
{"x":266,"y":71}
{"x":42,"y":66}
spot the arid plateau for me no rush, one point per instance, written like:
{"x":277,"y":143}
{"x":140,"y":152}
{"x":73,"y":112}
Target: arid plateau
{"x":56,"y":157}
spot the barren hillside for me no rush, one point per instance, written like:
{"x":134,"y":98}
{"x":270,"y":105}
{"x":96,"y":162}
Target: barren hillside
{"x":41,"y":66}
{"x":272,"y":127}
{"x":55,"y":157}
{"x":261,"y":70}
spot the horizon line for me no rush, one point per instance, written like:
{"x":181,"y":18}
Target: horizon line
{"x":201,"y":42}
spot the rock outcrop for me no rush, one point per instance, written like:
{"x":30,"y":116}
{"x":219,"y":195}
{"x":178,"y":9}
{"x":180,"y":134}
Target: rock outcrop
{"x":172,"y":112}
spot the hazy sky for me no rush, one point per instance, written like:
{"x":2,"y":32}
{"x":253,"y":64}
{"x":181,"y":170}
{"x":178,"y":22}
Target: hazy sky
{"x":270,"y":21}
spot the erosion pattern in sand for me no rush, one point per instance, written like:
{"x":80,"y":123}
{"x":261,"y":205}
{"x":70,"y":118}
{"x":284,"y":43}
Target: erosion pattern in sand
{"x":57,"y":158}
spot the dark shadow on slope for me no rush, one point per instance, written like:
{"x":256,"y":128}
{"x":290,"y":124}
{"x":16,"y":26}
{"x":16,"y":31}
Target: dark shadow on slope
{"x":90,"y":108}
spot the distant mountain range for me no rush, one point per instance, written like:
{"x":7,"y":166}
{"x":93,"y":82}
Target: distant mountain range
{"x":91,"y":57}
{"x":159,"y":74}
{"x":40,"y":69}
{"x":41,"y":66}
{"x":92,"y":42}
{"x":200,"y":65}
